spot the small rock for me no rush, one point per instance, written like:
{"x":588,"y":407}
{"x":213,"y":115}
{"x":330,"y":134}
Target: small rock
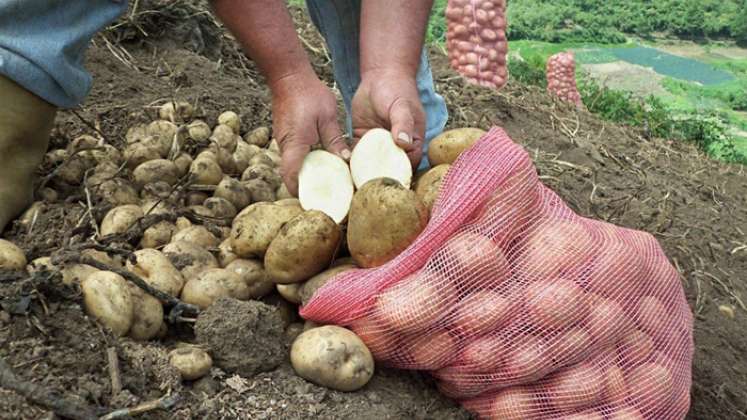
{"x":727,"y":311}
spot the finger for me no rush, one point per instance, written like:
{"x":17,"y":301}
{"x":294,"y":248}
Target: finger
{"x":403,"y":124}
{"x":416,"y":153}
{"x":333,"y":139}
{"x":293,"y":153}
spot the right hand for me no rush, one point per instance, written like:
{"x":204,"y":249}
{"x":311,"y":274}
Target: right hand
{"x":304,"y":113}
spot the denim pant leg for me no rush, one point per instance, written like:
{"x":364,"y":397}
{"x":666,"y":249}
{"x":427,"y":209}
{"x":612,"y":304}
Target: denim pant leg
{"x":339,"y":23}
{"x":43,"y":43}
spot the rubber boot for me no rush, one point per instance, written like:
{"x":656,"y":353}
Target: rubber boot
{"x":25,"y":123}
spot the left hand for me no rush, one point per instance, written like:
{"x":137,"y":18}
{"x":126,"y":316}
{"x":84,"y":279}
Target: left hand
{"x":389,"y":99}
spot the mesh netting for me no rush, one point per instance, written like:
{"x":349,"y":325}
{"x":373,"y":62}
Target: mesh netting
{"x":519,"y":307}
{"x":561,"y":78}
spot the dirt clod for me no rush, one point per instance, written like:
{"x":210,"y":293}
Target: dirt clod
{"x":243,"y":337}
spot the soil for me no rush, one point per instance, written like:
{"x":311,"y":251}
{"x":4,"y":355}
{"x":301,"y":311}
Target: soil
{"x":176,"y":50}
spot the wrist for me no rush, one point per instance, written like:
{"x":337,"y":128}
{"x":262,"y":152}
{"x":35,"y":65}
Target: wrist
{"x":389,"y":72}
{"x":292,"y":81}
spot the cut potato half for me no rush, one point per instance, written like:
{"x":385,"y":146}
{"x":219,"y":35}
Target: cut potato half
{"x":325,"y":184}
{"x":377,"y":156}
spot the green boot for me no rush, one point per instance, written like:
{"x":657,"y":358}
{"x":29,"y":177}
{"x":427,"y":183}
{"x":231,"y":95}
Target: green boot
{"x":25,"y":123}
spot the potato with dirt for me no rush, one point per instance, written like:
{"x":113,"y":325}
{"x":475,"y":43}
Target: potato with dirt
{"x":309,"y":287}
{"x":253,"y":274}
{"x":147,"y":314}
{"x":333,"y":357}
{"x":259,"y":137}
{"x":189,"y":258}
{"x":257,"y":225}
{"x":304,"y":246}
{"x":234,"y":191}
{"x":119,"y":219}
{"x":212,"y":284}
{"x":155,"y":170}
{"x":11,"y":256}
{"x":428,"y":185}
{"x":205,"y":170}
{"x":153,"y":266}
{"x":447,"y":146}
{"x":107,"y":297}
{"x":384,"y":219}
{"x":198,"y":235}
{"x":191,"y":362}
{"x":157,"y":235}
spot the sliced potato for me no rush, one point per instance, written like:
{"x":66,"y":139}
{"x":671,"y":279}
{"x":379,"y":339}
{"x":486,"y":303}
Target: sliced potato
{"x":325,"y":184}
{"x":377,"y":156}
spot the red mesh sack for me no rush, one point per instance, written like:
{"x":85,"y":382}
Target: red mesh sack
{"x":519,"y":307}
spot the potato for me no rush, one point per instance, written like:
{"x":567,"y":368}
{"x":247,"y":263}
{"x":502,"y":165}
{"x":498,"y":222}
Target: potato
{"x":119,"y":219}
{"x":147,"y":317}
{"x":483,"y":354}
{"x":333,"y":357}
{"x":157,"y":270}
{"x":634,"y":348}
{"x":282,"y":193}
{"x":224,"y":159}
{"x":290,"y":292}
{"x":288,"y":202}
{"x":556,"y":303}
{"x":480,"y":311}
{"x":157,"y":235}
{"x":104,"y":171}
{"x":385,"y":218}
{"x":205,"y":171}
{"x":428,"y":185}
{"x":224,"y":137}
{"x":257,"y":225}
{"x":11,"y":256}
{"x":607,"y":321}
{"x":474,"y":261}
{"x":165,"y":132}
{"x":106,"y":297}
{"x":515,"y":403}
{"x":104,"y":258}
{"x":221,"y":207}
{"x":195,"y":198}
{"x":376,"y":156}
{"x":260,"y":191}
{"x":277,"y":160}
{"x":183,"y":161}
{"x":48,"y":195}
{"x":189,"y":258}
{"x":155,"y":170}
{"x":200,"y":211}
{"x":379,"y":338}
{"x":310,"y":287}
{"x":652,"y":316}
{"x":176,"y":111}
{"x":259,"y":137}
{"x":304,"y":246}
{"x":198,"y":130}
{"x":447,"y":146}
{"x":138,"y":153}
{"x":261,"y":158}
{"x":274,"y":146}
{"x":157,"y":190}
{"x":553,"y":247}
{"x":625,"y":413}
{"x":528,"y":359}
{"x":117,"y":192}
{"x":431,"y":351}
{"x":225,"y":253}
{"x":325,"y":184}
{"x":230,"y":119}
{"x":572,"y":346}
{"x":253,"y":274}
{"x":74,"y":169}
{"x":77,"y":273}
{"x":183,"y":223}
{"x":198,"y":235}
{"x":416,"y":302}
{"x":135,"y":133}
{"x":243,"y":154}
{"x":191,"y":362}
{"x":211,"y":284}
{"x":82,"y":142}
{"x":615,"y":388}
{"x":55,"y":157}
{"x":264,"y":173}
{"x":578,"y":386}
{"x":233,"y":191}
{"x":107,"y":153}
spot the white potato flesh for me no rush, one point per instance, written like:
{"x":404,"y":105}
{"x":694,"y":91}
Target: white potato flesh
{"x":325,"y":184}
{"x":377,"y":156}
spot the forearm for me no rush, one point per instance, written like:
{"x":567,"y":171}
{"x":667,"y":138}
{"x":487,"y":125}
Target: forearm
{"x":392,"y":34}
{"x":265,"y":31}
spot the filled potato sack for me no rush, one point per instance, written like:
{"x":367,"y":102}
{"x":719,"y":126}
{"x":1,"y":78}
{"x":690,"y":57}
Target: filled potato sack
{"x":519,"y":307}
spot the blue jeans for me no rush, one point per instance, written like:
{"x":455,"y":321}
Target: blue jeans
{"x":43,"y":43}
{"x":339,"y":23}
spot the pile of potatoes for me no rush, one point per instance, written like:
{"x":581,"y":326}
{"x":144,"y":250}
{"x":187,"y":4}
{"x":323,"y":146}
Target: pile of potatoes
{"x":267,"y":240}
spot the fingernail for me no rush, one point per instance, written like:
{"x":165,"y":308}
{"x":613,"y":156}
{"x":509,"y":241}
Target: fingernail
{"x":404,"y":137}
{"x":345,"y":154}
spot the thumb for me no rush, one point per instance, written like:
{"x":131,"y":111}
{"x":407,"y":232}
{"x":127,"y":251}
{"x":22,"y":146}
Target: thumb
{"x":403,"y":130}
{"x":293,"y":153}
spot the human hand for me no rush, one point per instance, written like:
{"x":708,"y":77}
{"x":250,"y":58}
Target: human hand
{"x":389,"y":99}
{"x":304,"y":113}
